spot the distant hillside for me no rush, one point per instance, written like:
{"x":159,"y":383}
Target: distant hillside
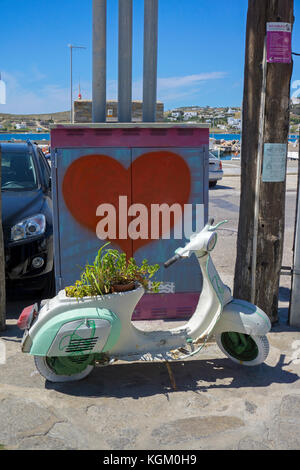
{"x":63,"y":116}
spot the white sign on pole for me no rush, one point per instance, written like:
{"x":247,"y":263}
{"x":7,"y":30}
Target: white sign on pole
{"x":274,"y":163}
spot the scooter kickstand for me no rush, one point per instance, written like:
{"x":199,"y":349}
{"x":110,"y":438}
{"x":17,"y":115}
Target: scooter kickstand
{"x":172,"y":379}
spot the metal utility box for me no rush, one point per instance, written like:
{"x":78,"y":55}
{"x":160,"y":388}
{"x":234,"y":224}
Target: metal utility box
{"x":139,"y":169}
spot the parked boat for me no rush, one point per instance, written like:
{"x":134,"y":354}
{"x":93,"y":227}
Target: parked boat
{"x":223,"y":149}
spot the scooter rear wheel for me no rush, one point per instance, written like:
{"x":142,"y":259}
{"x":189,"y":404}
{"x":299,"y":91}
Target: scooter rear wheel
{"x":248,"y":350}
{"x":62,"y":369}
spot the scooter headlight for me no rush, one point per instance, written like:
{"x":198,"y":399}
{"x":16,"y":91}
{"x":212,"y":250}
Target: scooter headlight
{"x":28,"y":228}
{"x":212,"y":242}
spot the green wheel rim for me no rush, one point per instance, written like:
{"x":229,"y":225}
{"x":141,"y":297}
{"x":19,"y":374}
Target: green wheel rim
{"x":69,"y":365}
{"x":239,"y":346}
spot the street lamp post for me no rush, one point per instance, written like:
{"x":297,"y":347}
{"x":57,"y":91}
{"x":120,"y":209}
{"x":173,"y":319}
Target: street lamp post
{"x":71,"y":77}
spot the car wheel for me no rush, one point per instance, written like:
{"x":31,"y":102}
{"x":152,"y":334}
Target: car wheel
{"x":212,"y":184}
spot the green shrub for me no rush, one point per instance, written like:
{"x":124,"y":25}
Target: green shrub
{"x":111,"y":269}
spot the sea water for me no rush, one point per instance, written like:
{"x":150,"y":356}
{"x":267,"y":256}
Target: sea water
{"x":25,"y":137}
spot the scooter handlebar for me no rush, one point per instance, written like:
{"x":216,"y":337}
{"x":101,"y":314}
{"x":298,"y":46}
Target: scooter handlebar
{"x":171,"y":261}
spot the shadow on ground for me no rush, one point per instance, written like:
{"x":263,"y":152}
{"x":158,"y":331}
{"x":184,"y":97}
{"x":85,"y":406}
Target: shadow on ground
{"x":284,"y":294}
{"x":219,"y":186}
{"x":140,"y":380}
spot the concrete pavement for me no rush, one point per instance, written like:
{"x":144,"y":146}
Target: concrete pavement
{"x":217,"y":404}
{"x":233,"y":167}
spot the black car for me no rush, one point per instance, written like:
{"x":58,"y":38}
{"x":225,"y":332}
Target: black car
{"x":27,"y":217}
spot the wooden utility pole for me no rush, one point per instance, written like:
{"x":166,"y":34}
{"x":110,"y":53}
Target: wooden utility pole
{"x":274,"y":129}
{"x":2,"y":265}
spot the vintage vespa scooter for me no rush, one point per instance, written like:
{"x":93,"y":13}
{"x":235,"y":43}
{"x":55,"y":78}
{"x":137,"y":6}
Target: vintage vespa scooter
{"x":69,"y":336}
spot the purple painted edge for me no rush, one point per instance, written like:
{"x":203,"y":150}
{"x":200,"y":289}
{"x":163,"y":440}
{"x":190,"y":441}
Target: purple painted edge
{"x":62,"y":137}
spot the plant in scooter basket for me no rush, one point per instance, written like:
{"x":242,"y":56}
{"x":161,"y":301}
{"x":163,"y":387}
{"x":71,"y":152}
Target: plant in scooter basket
{"x":83,"y":322}
{"x":112,"y":272}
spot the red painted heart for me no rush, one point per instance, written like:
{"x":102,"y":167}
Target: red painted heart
{"x":159,"y":177}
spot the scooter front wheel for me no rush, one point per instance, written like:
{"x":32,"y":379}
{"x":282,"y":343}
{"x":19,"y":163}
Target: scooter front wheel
{"x":248,"y":350}
{"x":63,"y":369}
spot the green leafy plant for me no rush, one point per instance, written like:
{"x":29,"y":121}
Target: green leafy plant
{"x":112,"y":272}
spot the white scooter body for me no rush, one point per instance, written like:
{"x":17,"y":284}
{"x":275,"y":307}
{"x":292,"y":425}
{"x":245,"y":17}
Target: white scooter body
{"x":52,"y":333}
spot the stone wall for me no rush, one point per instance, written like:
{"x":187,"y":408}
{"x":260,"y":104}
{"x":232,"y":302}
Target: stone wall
{"x":83,"y":111}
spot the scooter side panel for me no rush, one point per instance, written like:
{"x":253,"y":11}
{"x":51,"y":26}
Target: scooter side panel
{"x":58,"y":336}
{"x":84,"y":336}
{"x":243,"y":317}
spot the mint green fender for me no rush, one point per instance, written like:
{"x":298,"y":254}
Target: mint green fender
{"x":75,"y":332}
{"x":243,"y":317}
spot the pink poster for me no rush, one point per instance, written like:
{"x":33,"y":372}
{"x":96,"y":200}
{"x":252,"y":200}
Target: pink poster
{"x":279,"y":43}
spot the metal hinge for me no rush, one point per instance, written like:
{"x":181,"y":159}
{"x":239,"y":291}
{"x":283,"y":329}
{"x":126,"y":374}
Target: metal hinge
{"x":55,"y":159}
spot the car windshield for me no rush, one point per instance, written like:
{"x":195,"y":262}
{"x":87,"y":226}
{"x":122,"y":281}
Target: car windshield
{"x":18,"y":172}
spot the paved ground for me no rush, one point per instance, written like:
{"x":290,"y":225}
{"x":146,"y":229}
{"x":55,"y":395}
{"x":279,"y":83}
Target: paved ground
{"x":217,"y":404}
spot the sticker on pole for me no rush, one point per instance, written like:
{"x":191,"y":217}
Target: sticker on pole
{"x":274,"y":163}
{"x":279,"y":43}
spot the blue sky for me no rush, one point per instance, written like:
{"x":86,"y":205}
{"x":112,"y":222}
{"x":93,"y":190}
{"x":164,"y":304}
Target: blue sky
{"x":200,"y":60}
